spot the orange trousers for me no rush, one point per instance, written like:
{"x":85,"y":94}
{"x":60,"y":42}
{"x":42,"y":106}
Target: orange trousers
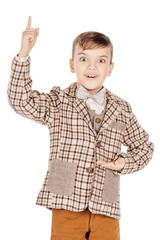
{"x":68,"y":225}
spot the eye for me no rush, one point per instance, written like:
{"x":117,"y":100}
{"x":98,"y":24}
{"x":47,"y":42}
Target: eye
{"x":101,"y":60}
{"x":83,"y":59}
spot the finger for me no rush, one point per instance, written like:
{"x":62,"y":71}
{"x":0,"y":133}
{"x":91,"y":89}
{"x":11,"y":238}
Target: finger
{"x":29,"y":36}
{"x":29,"y":23}
{"x":37,"y":31}
{"x":110,"y":165}
{"x":103,"y":162}
{"x":100,"y":161}
{"x":29,"y":33}
{"x":30,"y":29}
{"x":106,"y":164}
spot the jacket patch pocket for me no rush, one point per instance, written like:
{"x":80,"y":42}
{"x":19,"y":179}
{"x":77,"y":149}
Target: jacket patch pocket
{"x":111,"y":187}
{"x":61,"y":177}
{"x":118,"y":125}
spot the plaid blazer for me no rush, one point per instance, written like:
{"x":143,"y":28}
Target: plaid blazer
{"x":73,"y":180}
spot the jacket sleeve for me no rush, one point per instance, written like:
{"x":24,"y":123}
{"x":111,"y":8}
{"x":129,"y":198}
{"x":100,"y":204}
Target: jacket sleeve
{"x":40,"y":107}
{"x":140,"y":149}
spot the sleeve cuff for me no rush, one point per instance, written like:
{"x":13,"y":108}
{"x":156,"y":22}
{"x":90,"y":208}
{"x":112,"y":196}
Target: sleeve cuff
{"x":21,"y":59}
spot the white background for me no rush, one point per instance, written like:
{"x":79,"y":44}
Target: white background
{"x":133,"y":27}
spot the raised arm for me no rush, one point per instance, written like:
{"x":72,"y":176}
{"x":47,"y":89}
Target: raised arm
{"x":41,"y":107}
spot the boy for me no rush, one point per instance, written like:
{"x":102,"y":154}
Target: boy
{"x":87,"y":125}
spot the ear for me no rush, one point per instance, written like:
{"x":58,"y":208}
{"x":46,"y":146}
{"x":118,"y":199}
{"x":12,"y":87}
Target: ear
{"x":71,"y":65}
{"x":110,"y":69}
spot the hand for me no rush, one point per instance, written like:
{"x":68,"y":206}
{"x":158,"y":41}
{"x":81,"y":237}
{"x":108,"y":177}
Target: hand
{"x":29,"y":37}
{"x":114,"y":165}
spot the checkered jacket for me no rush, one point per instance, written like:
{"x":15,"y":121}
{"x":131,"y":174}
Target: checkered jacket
{"x":73,"y":180}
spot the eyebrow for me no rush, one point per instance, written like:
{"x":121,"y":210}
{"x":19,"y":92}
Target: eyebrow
{"x":87,"y":55}
{"x":104,"y":56}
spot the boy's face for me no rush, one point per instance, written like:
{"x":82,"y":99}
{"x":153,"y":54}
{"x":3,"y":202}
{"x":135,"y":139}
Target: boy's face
{"x":91,"y":66}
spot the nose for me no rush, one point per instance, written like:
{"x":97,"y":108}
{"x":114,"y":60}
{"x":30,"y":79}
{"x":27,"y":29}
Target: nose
{"x":91,"y":64}
{"x":91,"y":67}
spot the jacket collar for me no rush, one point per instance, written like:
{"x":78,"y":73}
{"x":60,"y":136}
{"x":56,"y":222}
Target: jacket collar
{"x":113,"y":107}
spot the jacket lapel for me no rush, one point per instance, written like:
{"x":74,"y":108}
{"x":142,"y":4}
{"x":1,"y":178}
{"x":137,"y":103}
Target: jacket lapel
{"x":79,"y":105}
{"x":112,"y":107}
{"x":81,"y":108}
{"x":112,"y":110}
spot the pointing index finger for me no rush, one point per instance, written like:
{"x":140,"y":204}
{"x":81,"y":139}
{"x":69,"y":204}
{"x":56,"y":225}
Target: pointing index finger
{"x":29,"y":23}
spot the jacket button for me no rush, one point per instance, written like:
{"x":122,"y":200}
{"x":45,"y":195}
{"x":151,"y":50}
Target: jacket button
{"x":89,"y":170}
{"x":99,"y":144}
{"x":98,"y":120}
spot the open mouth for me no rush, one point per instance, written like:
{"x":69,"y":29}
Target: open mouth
{"x":91,"y":76}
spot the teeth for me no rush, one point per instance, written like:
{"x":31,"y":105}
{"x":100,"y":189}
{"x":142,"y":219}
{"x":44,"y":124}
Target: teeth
{"x":93,"y":76}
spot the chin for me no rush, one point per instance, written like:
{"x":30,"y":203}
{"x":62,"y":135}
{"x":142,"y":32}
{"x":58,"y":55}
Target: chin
{"x":92,"y":89}
{"x":90,"y":86}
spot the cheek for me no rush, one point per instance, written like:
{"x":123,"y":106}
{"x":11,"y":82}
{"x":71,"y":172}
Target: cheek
{"x":79,"y":69}
{"x":104,"y":71}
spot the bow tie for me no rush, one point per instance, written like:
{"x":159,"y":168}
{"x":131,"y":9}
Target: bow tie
{"x":98,"y":97}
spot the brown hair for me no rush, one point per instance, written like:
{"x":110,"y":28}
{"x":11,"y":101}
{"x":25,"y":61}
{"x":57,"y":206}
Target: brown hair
{"x":92,"y":40}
